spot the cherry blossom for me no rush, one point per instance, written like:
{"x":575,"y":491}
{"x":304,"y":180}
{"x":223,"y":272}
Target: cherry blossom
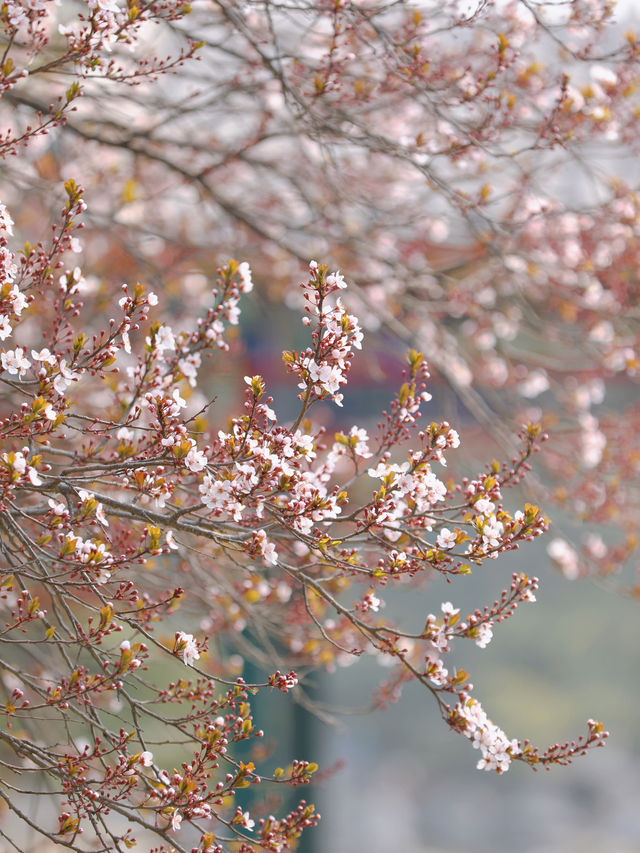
{"x":497,"y":750}
{"x":195,"y":460}
{"x":446,"y":539}
{"x":5,"y":327}
{"x":186,"y":646}
{"x":15,"y":362}
{"x":246,"y":821}
{"x":144,"y":485}
{"x":146,"y":758}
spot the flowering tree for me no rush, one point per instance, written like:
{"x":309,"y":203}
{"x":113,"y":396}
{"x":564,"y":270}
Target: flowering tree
{"x":141,"y":532}
{"x":469,"y":164}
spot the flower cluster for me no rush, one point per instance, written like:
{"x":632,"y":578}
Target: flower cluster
{"x":323,"y":367}
{"x":497,"y":750}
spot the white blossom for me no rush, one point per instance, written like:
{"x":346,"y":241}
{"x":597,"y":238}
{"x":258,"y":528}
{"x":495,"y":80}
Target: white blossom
{"x":5,"y":327}
{"x":485,"y":506}
{"x":267,"y":548}
{"x":15,"y":362}
{"x":164,"y":339}
{"x":57,"y":508}
{"x":187,"y":647}
{"x":189,"y":367}
{"x":196,"y":460}
{"x":64,"y":378}
{"x":246,"y":283}
{"x":336,"y":279}
{"x":146,"y":758}
{"x":497,"y":750}
{"x":6,"y":222}
{"x":18,"y":300}
{"x":372,"y":602}
{"x":484,"y":634}
{"x":170,"y":541}
{"x":446,"y":539}
{"x":44,"y":355}
{"x":247,"y":822}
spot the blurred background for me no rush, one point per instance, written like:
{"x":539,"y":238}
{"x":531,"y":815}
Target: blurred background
{"x":408,"y":784}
